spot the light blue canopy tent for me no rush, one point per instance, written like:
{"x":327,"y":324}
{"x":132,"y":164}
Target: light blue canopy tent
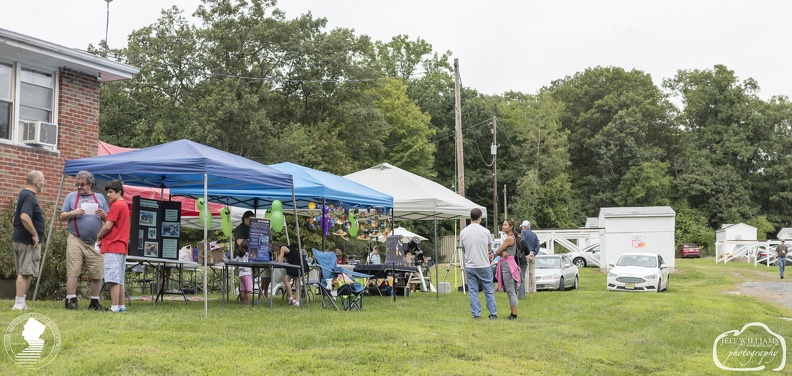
{"x":309,"y":186}
{"x":185,"y":164}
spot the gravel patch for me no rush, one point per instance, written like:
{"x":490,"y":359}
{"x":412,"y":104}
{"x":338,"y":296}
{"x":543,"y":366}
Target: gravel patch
{"x":775,"y":292}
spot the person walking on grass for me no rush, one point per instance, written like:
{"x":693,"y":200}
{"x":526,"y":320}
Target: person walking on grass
{"x":475,"y":241}
{"x":80,"y":245}
{"x":113,"y":240}
{"x":27,"y":236}
{"x":781,"y":252}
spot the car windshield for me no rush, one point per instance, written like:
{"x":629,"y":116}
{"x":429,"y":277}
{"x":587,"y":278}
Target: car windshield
{"x":548,"y":263}
{"x":632,"y":260}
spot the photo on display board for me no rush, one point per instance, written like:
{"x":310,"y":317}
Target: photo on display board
{"x":171,"y":229}
{"x":140,"y":239}
{"x":148,"y":218}
{"x":152,"y":233}
{"x":152,"y":249}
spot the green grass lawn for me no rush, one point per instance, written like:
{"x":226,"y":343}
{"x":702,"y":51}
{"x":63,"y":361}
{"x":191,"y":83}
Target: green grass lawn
{"x":584,"y":332}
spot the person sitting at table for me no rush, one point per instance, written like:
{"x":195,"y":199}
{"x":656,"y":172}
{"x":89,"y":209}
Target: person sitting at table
{"x":291,"y":255}
{"x":409,"y":258}
{"x":374,"y":257}
{"x":245,"y":274}
{"x":341,"y":258}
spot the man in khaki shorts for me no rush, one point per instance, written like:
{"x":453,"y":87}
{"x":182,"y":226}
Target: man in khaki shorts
{"x":26,"y":238}
{"x":85,"y":211}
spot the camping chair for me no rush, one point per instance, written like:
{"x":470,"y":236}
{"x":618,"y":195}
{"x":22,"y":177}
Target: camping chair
{"x":350,"y":294}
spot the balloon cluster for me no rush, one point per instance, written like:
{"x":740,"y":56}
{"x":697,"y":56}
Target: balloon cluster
{"x":277,"y":219}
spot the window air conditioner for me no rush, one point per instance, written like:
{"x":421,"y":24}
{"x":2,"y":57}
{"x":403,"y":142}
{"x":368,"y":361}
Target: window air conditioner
{"x":39,"y":133}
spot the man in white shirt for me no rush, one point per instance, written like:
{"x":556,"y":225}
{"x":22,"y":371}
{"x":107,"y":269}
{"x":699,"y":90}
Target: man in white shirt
{"x":475,"y":241}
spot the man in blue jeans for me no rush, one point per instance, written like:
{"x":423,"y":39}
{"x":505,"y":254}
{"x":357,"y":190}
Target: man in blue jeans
{"x":475,"y":241}
{"x":781,"y":252}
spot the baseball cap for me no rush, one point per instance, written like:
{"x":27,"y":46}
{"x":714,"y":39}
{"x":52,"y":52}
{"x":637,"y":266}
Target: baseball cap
{"x":416,"y":240}
{"x":526,"y":223}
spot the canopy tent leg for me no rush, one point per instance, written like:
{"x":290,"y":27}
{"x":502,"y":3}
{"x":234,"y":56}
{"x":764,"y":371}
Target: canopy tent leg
{"x":49,"y":236}
{"x":206,"y":248}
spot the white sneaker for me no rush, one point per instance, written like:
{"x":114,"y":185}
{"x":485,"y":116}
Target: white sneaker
{"x":19,"y":307}
{"x":296,"y":304}
{"x":291,"y":301}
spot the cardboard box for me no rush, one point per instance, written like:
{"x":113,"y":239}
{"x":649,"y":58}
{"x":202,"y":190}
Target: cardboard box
{"x":215,"y":254}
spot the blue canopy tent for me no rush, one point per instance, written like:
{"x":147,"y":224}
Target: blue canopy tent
{"x":184,"y":164}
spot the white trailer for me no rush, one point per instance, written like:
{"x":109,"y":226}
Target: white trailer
{"x":647,"y":229}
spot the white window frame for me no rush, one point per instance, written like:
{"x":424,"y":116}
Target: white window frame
{"x":15,"y":137}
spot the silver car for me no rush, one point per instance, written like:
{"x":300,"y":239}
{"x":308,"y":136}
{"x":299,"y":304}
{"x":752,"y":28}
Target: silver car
{"x":585,"y":257}
{"x":555,"y":272}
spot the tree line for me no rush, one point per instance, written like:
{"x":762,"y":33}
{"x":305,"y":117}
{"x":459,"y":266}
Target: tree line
{"x":249,"y":80}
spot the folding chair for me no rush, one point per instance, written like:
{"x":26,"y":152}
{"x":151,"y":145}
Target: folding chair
{"x":350,"y":294}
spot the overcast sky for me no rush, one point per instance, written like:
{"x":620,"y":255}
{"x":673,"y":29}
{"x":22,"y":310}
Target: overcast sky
{"x":518,"y":45}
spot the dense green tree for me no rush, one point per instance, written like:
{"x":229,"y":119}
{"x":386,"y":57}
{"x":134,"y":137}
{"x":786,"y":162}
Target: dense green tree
{"x":647,"y":184}
{"x":617,"y":119}
{"x":544,"y":191}
{"x":724,"y":127}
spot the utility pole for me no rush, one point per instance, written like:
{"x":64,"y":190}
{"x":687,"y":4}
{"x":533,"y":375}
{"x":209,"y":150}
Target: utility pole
{"x":505,"y":208}
{"x":494,"y":152}
{"x":458,"y":131}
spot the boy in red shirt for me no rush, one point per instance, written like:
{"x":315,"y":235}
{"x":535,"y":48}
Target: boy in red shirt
{"x":113,"y":239}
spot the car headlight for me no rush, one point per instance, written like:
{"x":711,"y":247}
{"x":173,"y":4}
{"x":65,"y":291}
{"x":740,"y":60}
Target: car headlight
{"x":612,"y":275}
{"x":552,"y":276}
{"x":653,"y":276}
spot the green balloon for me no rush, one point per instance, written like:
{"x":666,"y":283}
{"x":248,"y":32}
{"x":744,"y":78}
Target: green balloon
{"x":354,"y":226}
{"x":277,"y":221}
{"x":204,"y":214}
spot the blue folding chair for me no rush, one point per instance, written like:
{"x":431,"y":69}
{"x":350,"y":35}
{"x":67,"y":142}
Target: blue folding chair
{"x":350,"y":294}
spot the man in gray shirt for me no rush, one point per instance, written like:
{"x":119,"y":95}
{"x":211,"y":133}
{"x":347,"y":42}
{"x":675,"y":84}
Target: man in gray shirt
{"x":86,"y":212}
{"x":781,"y":252}
{"x":475,"y":241}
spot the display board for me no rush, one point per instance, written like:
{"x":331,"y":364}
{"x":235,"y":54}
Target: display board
{"x":259,"y":240}
{"x":155,"y":227}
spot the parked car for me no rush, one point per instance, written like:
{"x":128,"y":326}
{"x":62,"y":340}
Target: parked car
{"x":767,"y":256}
{"x":688,"y":250}
{"x":638,"y":272}
{"x":555,"y":272}
{"x":582,"y":258}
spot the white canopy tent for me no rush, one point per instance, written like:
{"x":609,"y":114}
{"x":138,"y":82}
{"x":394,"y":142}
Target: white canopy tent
{"x":415,"y":197}
{"x":406,"y":235}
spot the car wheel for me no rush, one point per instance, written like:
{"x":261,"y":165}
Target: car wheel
{"x":668,"y":282}
{"x":577,"y":284}
{"x":580,"y":262}
{"x":659,"y":285}
{"x":561,"y":284}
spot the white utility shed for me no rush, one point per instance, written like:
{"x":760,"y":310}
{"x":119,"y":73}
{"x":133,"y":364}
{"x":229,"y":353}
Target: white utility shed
{"x":647,"y":229}
{"x":785,"y":234}
{"x":731,"y":232}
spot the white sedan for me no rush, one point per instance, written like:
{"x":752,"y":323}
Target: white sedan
{"x":638,"y":272}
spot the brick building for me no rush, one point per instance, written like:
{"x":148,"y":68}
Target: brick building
{"x":49,"y":110}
